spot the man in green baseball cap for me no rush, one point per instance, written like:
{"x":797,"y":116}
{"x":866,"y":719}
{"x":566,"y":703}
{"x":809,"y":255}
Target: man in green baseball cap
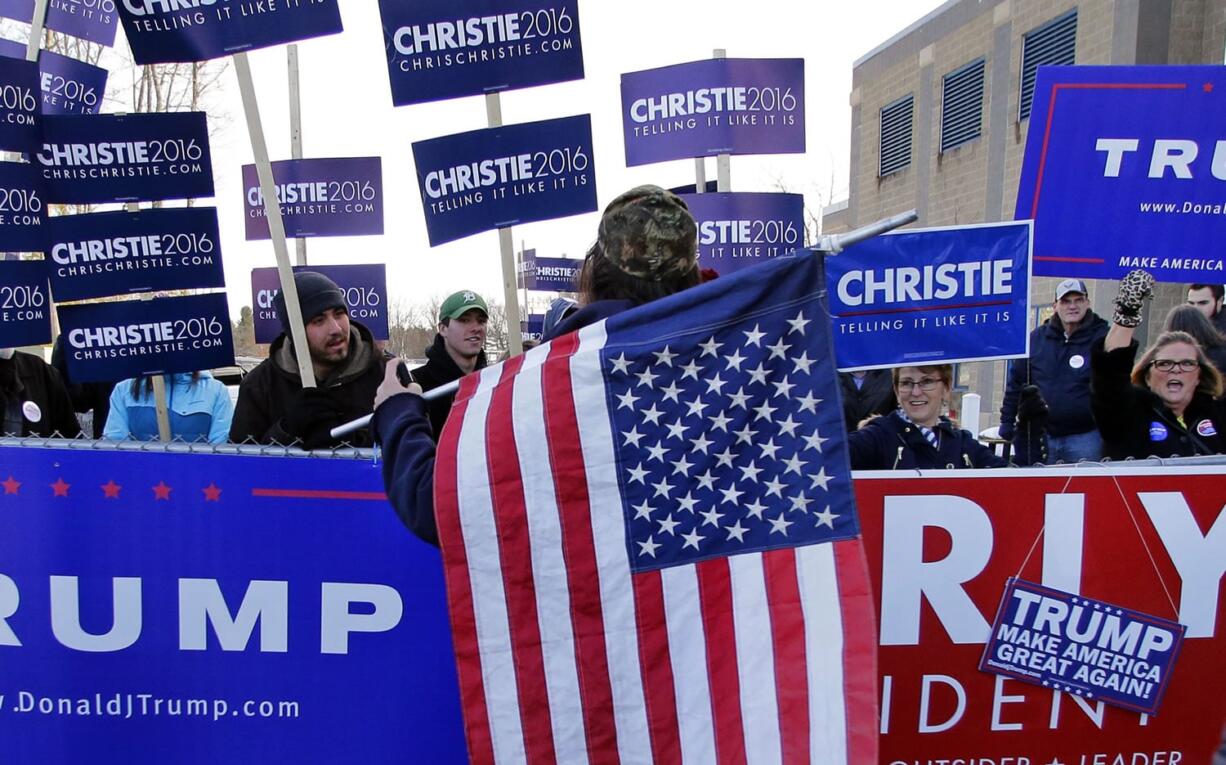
{"x":458,"y":350}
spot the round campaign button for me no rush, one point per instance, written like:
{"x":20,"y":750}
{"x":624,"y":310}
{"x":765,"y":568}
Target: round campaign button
{"x":1157,"y":431}
{"x":1077,"y":361}
{"x":1205,"y":428}
{"x":31,"y":411}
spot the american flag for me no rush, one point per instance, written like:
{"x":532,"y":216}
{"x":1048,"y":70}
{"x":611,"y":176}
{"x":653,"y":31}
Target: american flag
{"x":636,"y":522}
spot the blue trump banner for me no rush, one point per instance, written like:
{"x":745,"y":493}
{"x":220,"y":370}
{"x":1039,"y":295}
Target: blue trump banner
{"x":25,"y":304}
{"x":717,"y":106}
{"x":1083,"y":647}
{"x":932,"y":296}
{"x":319,"y":197}
{"x":22,"y":192}
{"x":20,"y":112}
{"x":439,"y":49}
{"x":1124,"y":169}
{"x":162,"y":32}
{"x":129,"y":158}
{"x":68,"y":86}
{"x":116,"y":253}
{"x":364,"y":288}
{"x":114,"y":341}
{"x":497,"y":177}
{"x":93,"y":20}
{"x":738,"y":230}
{"x":199,"y":609}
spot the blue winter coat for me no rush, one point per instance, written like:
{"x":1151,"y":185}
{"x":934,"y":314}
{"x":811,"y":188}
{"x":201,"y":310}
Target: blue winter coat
{"x":200,"y":410}
{"x":1060,"y":366}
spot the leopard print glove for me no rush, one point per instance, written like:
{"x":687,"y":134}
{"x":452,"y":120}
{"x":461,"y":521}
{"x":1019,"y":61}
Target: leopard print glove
{"x":1135,"y":288}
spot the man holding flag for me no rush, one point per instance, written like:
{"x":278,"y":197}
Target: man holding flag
{"x":640,"y":520}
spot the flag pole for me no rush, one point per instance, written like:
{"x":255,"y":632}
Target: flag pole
{"x":276,"y":227}
{"x":506,"y":244}
{"x":723,"y":162}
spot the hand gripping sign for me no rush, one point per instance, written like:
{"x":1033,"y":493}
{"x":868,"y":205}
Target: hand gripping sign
{"x":438,"y":49}
{"x":498,"y":177}
{"x":162,"y":32}
{"x":1125,"y":168}
{"x":129,"y":158}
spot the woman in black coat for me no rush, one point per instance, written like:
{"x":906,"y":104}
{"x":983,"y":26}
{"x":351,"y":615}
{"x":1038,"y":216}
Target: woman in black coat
{"x":918,"y":436}
{"x":1167,"y":404}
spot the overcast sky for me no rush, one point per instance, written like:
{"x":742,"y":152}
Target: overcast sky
{"x":347,"y":111}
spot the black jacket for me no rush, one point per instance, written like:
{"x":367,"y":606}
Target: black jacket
{"x":1134,"y":422}
{"x":86,"y":397}
{"x":874,"y":396}
{"x":892,"y":443}
{"x":33,"y":399}
{"x":265,"y":391}
{"x":439,"y":369}
{"x":1060,"y":366}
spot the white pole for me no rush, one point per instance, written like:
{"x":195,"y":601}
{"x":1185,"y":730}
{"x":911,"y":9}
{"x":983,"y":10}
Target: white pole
{"x":295,"y":130}
{"x":515,"y":343}
{"x":36,"y":30}
{"x":276,"y":226}
{"x":700,"y":175}
{"x":970,"y":413}
{"x":723,"y":162}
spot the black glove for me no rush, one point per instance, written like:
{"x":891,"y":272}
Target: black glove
{"x":1031,"y":408}
{"x":310,"y":415}
{"x":1135,"y":288}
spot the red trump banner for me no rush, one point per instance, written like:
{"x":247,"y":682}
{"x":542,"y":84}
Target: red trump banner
{"x":941,"y":547}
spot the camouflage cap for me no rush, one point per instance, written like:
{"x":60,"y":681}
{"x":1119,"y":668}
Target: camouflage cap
{"x":649,"y":232}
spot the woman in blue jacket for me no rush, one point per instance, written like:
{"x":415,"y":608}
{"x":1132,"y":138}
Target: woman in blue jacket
{"x":199,"y":405}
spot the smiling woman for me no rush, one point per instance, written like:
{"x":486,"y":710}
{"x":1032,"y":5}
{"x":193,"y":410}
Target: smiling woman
{"x":1169,"y":404}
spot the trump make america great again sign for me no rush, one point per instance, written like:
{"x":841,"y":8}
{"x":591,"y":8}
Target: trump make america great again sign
{"x":1126,"y":168}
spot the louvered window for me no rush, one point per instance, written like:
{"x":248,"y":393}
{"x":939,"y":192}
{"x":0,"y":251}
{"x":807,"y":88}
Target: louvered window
{"x":962,"y":105}
{"x":1052,"y":44}
{"x":896,"y":136}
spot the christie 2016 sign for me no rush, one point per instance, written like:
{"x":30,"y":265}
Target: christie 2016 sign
{"x":129,"y":158}
{"x":718,"y":106}
{"x":20,"y":110}
{"x":167,"y":31}
{"x":115,"y":253}
{"x":319,"y":197}
{"x":548,"y":274}
{"x":932,"y":296}
{"x":499,"y":177}
{"x":114,"y":341}
{"x":25,"y":303}
{"x":738,"y":230}
{"x":439,"y":49}
{"x":1151,"y":540}
{"x":1125,"y":168}
{"x":68,"y":86}
{"x":364,"y":287}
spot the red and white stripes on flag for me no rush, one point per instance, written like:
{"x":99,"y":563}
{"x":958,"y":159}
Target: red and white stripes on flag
{"x":565,"y":656}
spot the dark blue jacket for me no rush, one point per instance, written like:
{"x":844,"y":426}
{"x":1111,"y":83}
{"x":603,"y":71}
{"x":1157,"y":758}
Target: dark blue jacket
{"x":891,"y":443}
{"x":1060,"y":366}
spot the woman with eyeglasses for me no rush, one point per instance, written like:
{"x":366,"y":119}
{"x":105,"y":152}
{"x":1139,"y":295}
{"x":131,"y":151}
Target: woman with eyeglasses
{"x":917,"y":435}
{"x":1169,"y":403}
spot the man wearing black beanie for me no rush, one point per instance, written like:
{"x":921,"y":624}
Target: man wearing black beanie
{"x":274,"y":408}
